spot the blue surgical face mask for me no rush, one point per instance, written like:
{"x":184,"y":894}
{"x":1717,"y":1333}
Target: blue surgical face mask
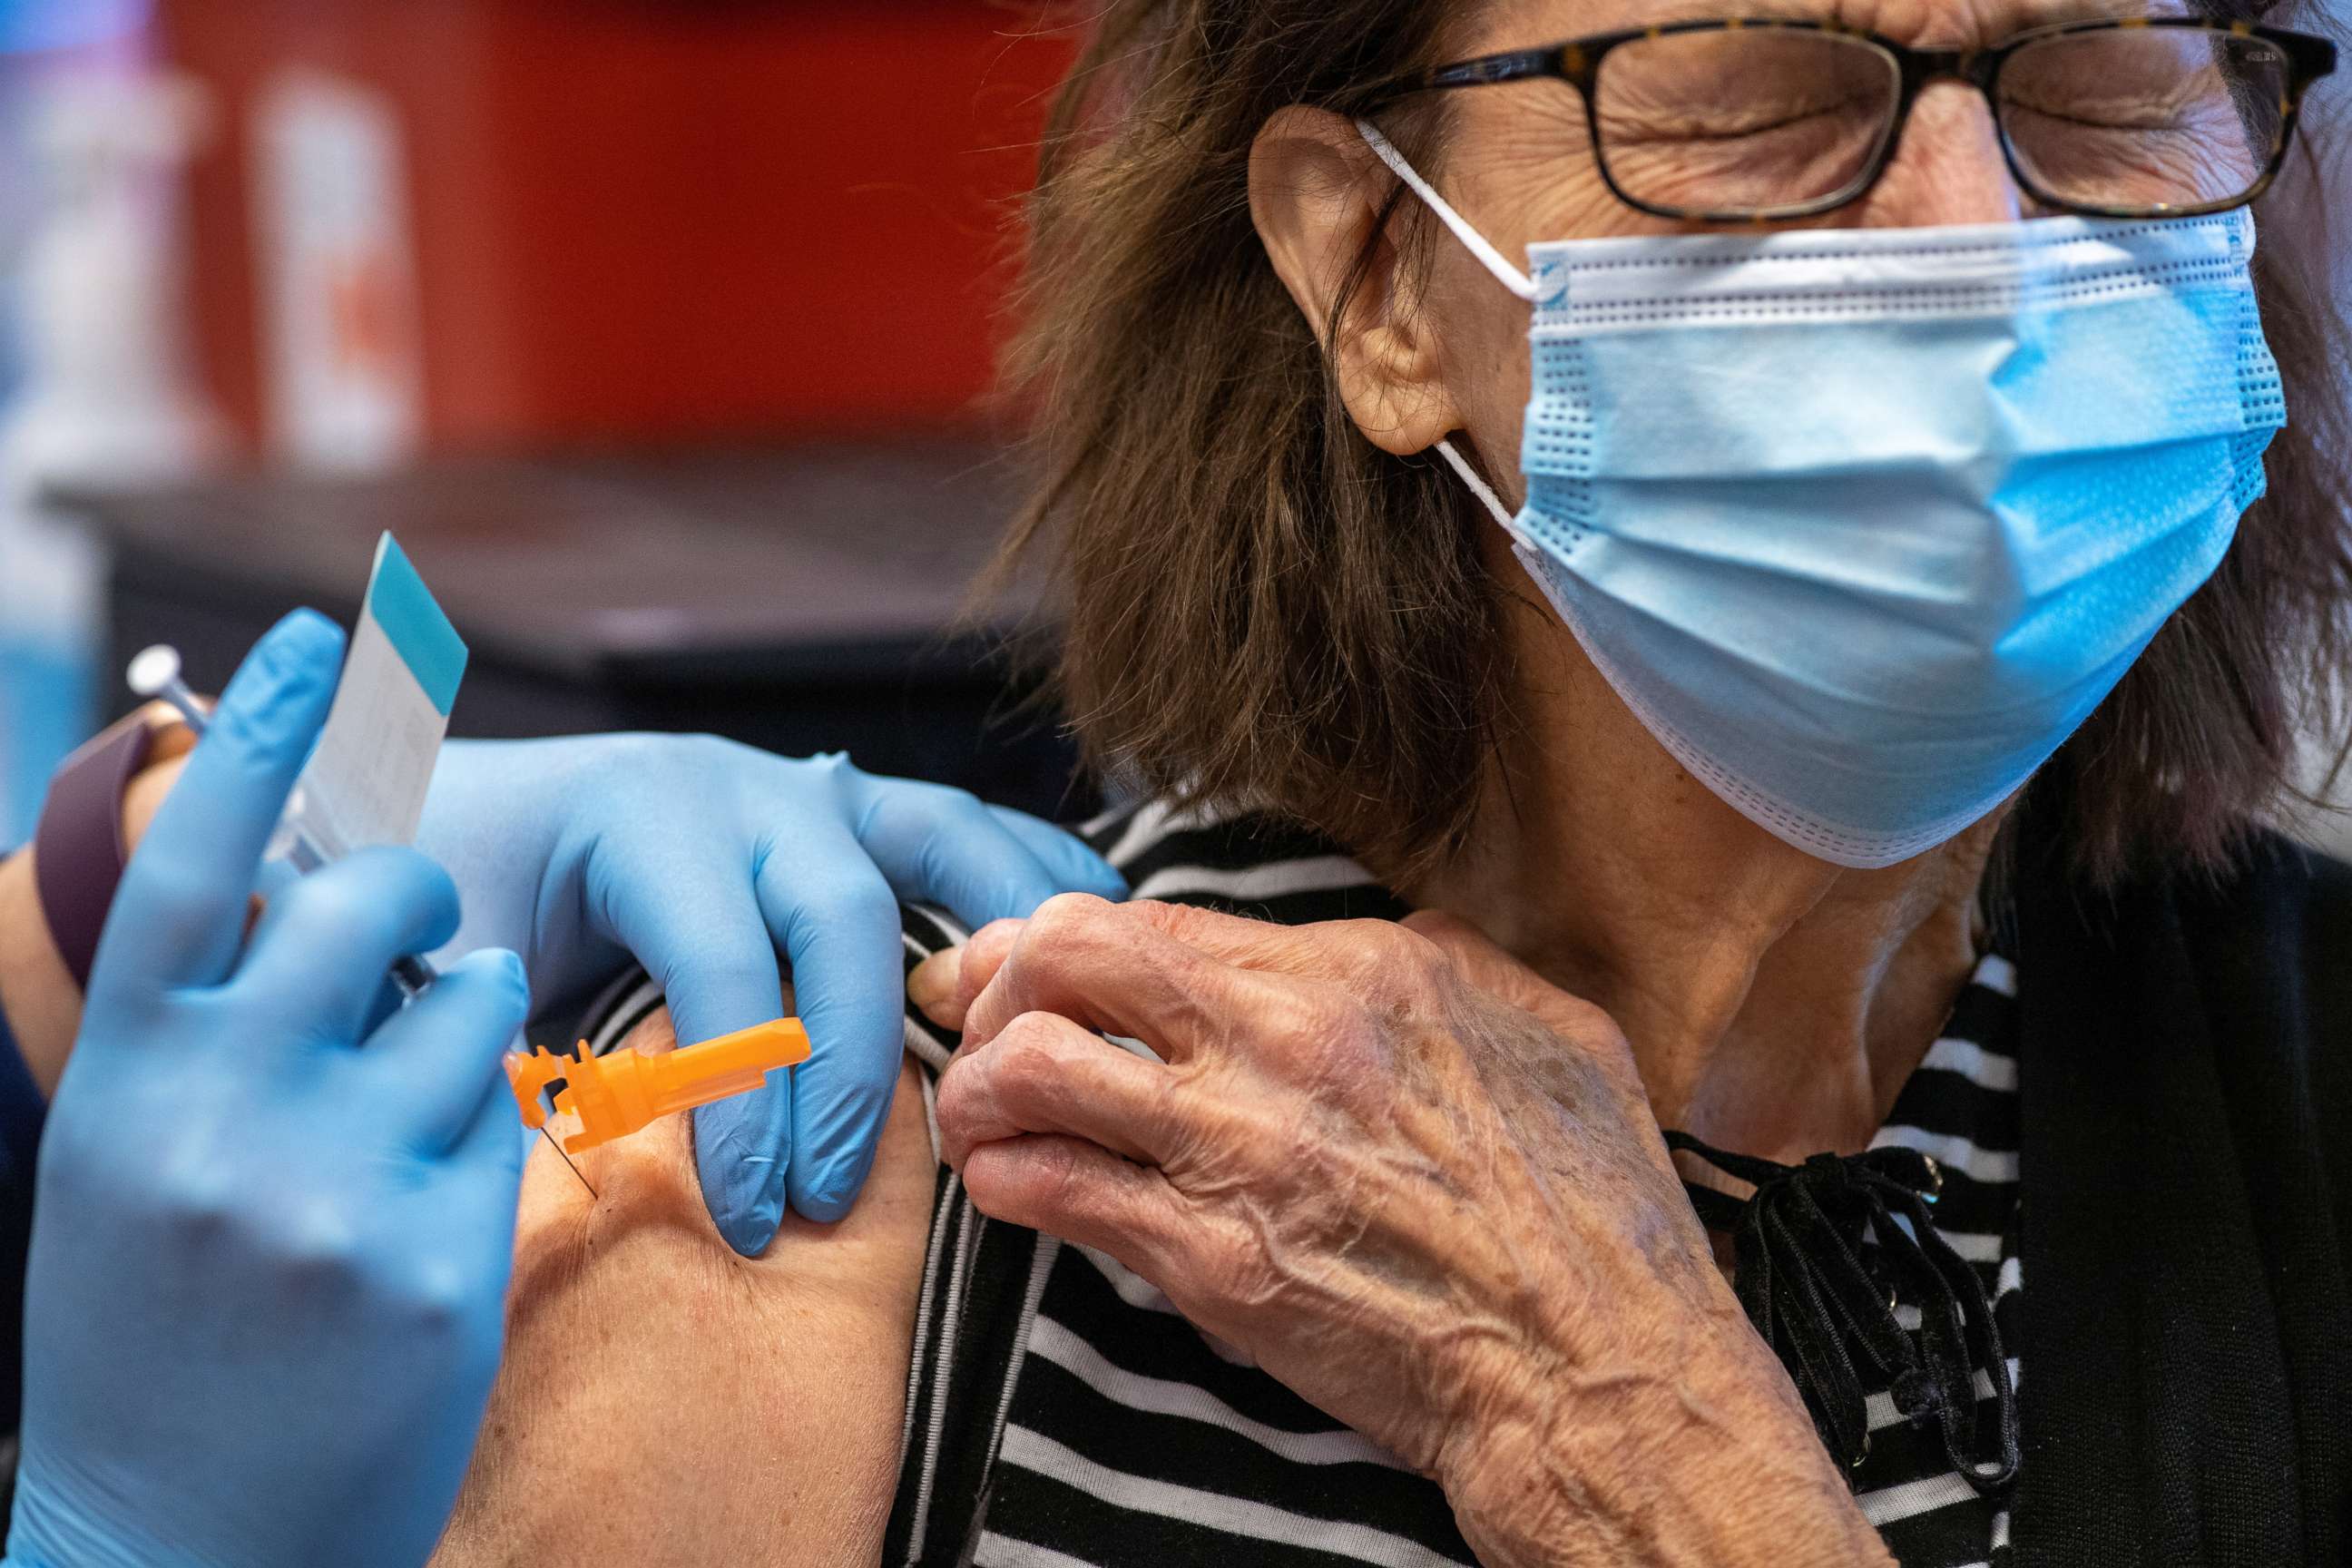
{"x":1861,"y":524}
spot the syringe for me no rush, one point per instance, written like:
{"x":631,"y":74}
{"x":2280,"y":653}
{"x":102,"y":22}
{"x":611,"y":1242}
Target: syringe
{"x":155,"y":675}
{"x":624,"y":1090}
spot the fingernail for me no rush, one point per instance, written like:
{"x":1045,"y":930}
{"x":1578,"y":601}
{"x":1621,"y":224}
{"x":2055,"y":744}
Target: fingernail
{"x":932,"y":986}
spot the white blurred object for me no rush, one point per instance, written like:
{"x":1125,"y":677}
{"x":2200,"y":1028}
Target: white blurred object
{"x":106,"y":391}
{"x":345,"y":373}
{"x":110,"y":389}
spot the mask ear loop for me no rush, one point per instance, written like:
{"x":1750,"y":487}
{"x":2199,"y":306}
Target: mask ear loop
{"x":1479,"y":487}
{"x":1508,"y":276}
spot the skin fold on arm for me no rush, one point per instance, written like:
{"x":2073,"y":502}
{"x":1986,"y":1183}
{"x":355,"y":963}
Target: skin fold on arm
{"x":665,"y":1400}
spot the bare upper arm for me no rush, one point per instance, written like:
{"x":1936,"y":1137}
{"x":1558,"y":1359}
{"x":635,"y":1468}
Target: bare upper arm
{"x":663,"y":1400}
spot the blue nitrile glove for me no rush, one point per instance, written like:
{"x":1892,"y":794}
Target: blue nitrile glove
{"x":271,"y":1242}
{"x":701,"y":858}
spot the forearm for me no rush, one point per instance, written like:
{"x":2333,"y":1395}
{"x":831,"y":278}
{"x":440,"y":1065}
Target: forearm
{"x":1714,"y":1467}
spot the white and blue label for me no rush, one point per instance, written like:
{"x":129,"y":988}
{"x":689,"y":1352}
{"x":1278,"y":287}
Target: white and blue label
{"x":366,"y":783}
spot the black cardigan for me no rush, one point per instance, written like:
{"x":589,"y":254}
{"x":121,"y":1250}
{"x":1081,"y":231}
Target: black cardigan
{"x":2186,"y":1083}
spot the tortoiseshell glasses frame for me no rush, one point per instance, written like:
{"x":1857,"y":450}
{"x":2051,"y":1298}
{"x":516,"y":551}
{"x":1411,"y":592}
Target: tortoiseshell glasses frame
{"x":2291,"y":61}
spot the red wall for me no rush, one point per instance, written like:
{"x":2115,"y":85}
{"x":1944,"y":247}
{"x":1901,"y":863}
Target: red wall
{"x":659,"y":219}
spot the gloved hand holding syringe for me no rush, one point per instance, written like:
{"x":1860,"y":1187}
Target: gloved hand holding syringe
{"x":155,"y":675}
{"x":365,"y":780}
{"x":365,"y":784}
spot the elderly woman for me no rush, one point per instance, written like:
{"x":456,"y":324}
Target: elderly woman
{"x":1793,"y":1045}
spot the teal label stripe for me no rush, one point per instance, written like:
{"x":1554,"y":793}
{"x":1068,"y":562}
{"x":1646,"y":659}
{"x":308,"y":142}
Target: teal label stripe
{"x":413,"y":623}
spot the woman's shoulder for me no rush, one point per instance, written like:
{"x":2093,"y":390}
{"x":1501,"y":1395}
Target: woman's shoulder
{"x":643,"y":1353}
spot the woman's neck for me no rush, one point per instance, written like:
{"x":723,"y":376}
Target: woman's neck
{"x":1775,"y":1003}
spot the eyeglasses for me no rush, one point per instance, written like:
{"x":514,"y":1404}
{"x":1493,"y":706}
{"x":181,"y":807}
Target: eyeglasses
{"x":1749,"y":120}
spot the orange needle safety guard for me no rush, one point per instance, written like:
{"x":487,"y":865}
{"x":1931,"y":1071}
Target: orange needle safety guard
{"x":616,"y":1094}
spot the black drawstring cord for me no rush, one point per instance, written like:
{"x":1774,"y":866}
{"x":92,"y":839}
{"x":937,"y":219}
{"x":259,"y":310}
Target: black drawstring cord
{"x":1801,"y":1278}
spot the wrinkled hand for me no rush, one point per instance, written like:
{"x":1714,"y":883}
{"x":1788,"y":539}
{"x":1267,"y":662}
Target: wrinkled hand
{"x":701,"y":858}
{"x":276,"y":1216}
{"x":1418,"y":1186}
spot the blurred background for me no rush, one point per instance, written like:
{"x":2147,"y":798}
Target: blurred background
{"x":659,"y":331}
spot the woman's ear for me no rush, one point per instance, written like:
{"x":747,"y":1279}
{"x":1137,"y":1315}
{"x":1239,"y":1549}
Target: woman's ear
{"x":1316,"y":195}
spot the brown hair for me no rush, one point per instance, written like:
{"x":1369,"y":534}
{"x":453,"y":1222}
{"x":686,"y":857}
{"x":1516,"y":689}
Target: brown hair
{"x":1264,"y":608}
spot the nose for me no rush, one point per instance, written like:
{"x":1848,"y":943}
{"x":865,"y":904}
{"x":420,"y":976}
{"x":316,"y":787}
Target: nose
{"x":1948,"y":169}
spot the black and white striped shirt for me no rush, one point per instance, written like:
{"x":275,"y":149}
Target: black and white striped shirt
{"x":1061,"y":1413}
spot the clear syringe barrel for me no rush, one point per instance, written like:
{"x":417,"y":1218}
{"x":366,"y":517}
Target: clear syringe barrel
{"x":302,"y":838}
